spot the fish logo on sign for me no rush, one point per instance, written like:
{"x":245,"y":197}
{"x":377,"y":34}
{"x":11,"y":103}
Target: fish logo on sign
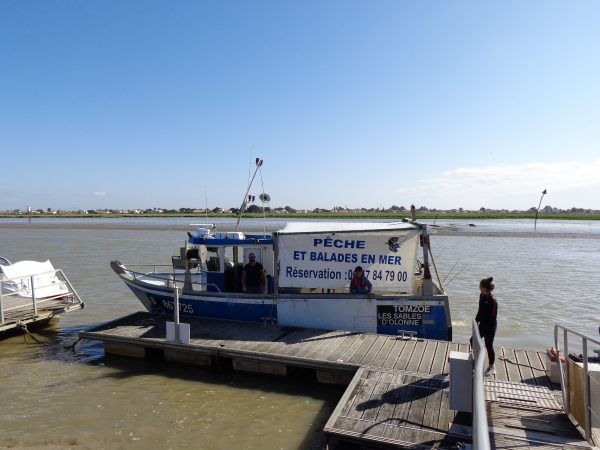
{"x":393,"y":244}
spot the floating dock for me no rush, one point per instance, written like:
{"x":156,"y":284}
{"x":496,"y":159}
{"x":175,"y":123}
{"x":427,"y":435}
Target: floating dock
{"x":397,"y":393}
{"x":18,"y":314}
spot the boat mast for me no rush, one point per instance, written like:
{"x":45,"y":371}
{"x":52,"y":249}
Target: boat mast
{"x":427,"y":281}
{"x":259,"y":163}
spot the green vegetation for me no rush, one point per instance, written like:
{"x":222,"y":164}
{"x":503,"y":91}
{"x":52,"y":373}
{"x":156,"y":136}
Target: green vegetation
{"x":323,"y":215}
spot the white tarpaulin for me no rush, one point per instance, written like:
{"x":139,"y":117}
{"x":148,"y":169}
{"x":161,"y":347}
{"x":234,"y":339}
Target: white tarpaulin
{"x":327,"y":260}
{"x":20,"y":275}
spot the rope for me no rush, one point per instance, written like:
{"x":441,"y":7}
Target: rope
{"x":72,"y":346}
{"x":455,"y":275}
{"x":26,"y":333}
{"x":262,"y":187}
{"x":437,"y":275}
{"x":508,"y":360}
{"x":451,"y":270}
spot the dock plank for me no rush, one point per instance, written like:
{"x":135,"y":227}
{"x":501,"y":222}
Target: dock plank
{"x":404,"y":358}
{"x":364,"y":348}
{"x":428,"y":357}
{"x":395,"y":353}
{"x":312,"y":343}
{"x":326,"y":353}
{"x":377,"y":346}
{"x":362,"y":395}
{"x":349,"y":353}
{"x":339,"y":353}
{"x":500,"y":364}
{"x":446,"y":416}
{"x":383,"y":352}
{"x":537,"y":364}
{"x":440,"y":355}
{"x":327,"y":342}
{"x":416,"y":356}
{"x":512,"y":369}
{"x":452,"y":347}
{"x":525,"y":368}
{"x":296,"y":342}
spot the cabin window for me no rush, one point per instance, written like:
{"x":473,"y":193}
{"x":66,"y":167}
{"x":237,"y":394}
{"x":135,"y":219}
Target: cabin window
{"x":212,"y":259}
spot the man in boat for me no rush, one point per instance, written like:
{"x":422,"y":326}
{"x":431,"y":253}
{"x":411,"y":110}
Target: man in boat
{"x":253,"y":276}
{"x":359,"y":283}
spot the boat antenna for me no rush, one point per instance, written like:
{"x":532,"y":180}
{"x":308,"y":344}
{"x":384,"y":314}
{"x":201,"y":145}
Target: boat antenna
{"x":264,"y":198}
{"x":247,"y":197}
{"x":205,"y":204}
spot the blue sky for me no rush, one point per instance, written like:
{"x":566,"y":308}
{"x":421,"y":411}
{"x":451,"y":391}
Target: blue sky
{"x":444,"y":104}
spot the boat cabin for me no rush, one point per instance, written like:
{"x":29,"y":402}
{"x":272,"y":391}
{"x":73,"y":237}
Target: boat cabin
{"x":222,"y":256}
{"x":309,"y":258}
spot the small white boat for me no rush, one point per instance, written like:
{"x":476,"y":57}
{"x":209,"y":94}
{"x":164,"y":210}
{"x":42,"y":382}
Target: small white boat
{"x":33,"y":292}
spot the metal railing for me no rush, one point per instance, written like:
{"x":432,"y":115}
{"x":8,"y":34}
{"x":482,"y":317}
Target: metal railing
{"x":481,"y":437}
{"x":26,"y":293}
{"x":171,"y":279}
{"x":565,"y":387}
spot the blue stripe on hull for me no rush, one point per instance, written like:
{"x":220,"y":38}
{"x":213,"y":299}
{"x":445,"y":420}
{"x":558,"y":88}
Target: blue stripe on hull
{"x":229,"y":310}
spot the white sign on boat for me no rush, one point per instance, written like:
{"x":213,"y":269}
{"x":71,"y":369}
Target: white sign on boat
{"x":324,"y":255}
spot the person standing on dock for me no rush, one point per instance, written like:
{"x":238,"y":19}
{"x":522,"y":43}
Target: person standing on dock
{"x":359,"y":283}
{"x":486,"y":318}
{"x":253,"y":276}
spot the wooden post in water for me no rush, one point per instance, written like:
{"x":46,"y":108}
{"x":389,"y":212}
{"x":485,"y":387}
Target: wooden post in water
{"x":538,"y":210}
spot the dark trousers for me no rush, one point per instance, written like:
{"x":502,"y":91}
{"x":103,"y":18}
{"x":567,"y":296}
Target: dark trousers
{"x":488,"y":338}
{"x":489,"y":341}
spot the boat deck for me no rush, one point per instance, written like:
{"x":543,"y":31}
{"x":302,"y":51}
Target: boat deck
{"x":398,"y":388}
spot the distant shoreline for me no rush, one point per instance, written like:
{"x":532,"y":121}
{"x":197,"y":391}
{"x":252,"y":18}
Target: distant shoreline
{"x":247,"y":228}
{"x":323,"y":215}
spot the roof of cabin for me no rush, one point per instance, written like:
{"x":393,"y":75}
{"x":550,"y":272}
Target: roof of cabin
{"x":333,"y":227}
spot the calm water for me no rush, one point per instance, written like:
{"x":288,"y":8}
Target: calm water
{"x":53,"y":397}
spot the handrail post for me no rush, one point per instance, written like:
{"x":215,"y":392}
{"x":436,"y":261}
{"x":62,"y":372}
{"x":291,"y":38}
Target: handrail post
{"x":481,"y":437}
{"x":69,"y":285}
{"x":1,"y":306}
{"x":567,"y":394}
{"x":587,"y":396}
{"x":561,"y":370}
{"x":33,"y":297}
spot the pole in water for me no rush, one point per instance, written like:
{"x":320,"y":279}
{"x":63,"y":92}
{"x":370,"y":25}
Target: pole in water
{"x":538,"y":210}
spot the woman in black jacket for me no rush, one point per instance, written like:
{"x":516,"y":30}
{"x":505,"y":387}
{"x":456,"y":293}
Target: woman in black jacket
{"x":486,"y":319}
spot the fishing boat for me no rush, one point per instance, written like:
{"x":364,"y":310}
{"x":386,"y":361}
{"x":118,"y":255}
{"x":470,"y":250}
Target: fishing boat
{"x":307,"y":271}
{"x":309,"y":267}
{"x":33,"y":293}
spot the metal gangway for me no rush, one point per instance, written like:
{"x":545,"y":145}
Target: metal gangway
{"x":580,"y":381}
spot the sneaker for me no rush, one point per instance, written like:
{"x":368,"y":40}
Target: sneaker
{"x":491,"y":370}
